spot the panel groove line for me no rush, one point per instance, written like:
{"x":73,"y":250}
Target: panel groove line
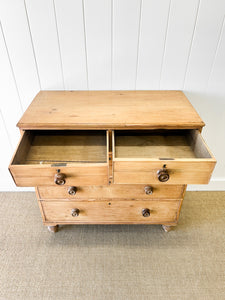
{"x":190,"y":48}
{"x":216,"y":52}
{"x":111,"y":83}
{"x":85,"y":44}
{"x":164,"y":48}
{"x":204,"y":44}
{"x":98,"y":39}
{"x":46,"y":43}
{"x":126,"y":17}
{"x":6,"y":130}
{"x":32,"y":44}
{"x":181,"y":23}
{"x":60,"y":53}
{"x":138,"y":42}
{"x":11,"y":67}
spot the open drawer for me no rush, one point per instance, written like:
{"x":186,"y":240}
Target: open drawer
{"x":163,"y":156}
{"x":51,"y":157}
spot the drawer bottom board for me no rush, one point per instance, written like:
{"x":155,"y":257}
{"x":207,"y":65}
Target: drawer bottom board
{"x":110,"y":212}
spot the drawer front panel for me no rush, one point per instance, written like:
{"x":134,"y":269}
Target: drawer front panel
{"x":182,"y":172}
{"x":126,"y":191}
{"x":167,"y":157}
{"x":78,"y":175}
{"x":80,"y":157}
{"x":117,"y":212}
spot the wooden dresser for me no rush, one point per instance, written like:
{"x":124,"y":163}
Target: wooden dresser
{"x":111,"y":157}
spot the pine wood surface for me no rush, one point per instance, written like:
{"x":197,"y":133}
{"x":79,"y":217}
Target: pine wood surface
{"x":181,"y":172}
{"x":110,"y":110}
{"x":115,"y":212}
{"x":80,"y":135}
{"x":113,"y":191}
{"x":169,"y":144}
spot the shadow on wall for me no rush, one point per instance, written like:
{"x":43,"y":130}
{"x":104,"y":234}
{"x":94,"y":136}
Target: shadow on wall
{"x":211,"y":108}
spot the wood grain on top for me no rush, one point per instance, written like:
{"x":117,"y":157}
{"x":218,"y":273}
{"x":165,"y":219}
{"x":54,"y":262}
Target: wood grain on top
{"x":110,"y":110}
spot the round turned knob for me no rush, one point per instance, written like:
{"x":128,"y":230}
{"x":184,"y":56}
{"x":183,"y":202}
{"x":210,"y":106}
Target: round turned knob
{"x":148,"y":190}
{"x":75,"y":212}
{"x":60,"y":178}
{"x":163,"y":175}
{"x":72,"y":190}
{"x":146,"y":212}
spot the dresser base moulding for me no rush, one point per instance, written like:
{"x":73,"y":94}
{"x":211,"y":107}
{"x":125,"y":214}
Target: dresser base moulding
{"x":55,"y":228}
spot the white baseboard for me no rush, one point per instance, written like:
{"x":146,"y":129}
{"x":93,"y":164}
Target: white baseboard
{"x":215,"y":184}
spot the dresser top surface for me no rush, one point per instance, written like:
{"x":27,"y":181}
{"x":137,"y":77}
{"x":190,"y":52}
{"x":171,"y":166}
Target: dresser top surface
{"x":110,"y":110}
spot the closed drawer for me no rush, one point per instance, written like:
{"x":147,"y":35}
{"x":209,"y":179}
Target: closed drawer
{"x":118,"y":212}
{"x":61,"y":157}
{"x":125,"y":191}
{"x":166,"y":156}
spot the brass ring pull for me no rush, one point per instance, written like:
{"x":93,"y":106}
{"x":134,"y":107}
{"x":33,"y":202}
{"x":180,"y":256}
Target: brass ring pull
{"x":60,"y":179}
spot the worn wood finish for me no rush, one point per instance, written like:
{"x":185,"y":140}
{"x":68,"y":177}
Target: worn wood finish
{"x":138,"y":158}
{"x":110,"y":110}
{"x":110,"y":211}
{"x":167,"y":144}
{"x":111,"y":157}
{"x":113,"y":191}
{"x":33,"y":167}
{"x":46,"y":147}
{"x":181,"y":172}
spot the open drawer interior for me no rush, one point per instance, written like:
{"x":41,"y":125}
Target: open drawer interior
{"x":159,"y":144}
{"x":52,"y":146}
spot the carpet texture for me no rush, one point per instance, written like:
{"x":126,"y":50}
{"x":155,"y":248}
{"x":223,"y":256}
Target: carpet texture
{"x":127,"y":262}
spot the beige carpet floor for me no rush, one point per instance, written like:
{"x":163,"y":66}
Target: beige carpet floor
{"x":113,"y":262}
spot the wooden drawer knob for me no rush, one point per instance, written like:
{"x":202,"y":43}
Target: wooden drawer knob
{"x":60,"y":178}
{"x":75,"y":212}
{"x":72,"y":190}
{"x":148,"y":190}
{"x":163,"y":175}
{"x":146,"y":212}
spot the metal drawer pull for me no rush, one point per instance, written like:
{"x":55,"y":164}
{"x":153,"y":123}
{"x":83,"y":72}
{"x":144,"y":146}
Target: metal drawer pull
{"x":75,"y":212}
{"x":146,"y":212}
{"x":60,"y":178}
{"x":72,"y":190}
{"x":163,"y":175}
{"x":148,"y":190}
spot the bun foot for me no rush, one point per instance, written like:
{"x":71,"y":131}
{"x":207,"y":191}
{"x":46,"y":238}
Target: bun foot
{"x":166,"y":228}
{"x":53,"y":228}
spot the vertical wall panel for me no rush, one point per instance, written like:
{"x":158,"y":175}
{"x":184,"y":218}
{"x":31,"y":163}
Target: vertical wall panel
{"x":42,"y":20}
{"x":215,"y":106}
{"x":118,"y":44}
{"x":70,"y":22}
{"x":6,"y":182}
{"x":126,"y":20}
{"x":9,"y":100}
{"x":20,"y":49}
{"x":181,"y":25}
{"x":98,"y":38}
{"x":210,"y":19}
{"x":151,"y":44}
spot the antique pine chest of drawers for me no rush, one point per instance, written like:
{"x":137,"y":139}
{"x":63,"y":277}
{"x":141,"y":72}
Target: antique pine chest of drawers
{"x":111,"y":157}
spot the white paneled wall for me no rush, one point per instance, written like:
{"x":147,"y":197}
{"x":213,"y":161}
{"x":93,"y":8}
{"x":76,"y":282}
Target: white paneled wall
{"x":113,"y":44}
